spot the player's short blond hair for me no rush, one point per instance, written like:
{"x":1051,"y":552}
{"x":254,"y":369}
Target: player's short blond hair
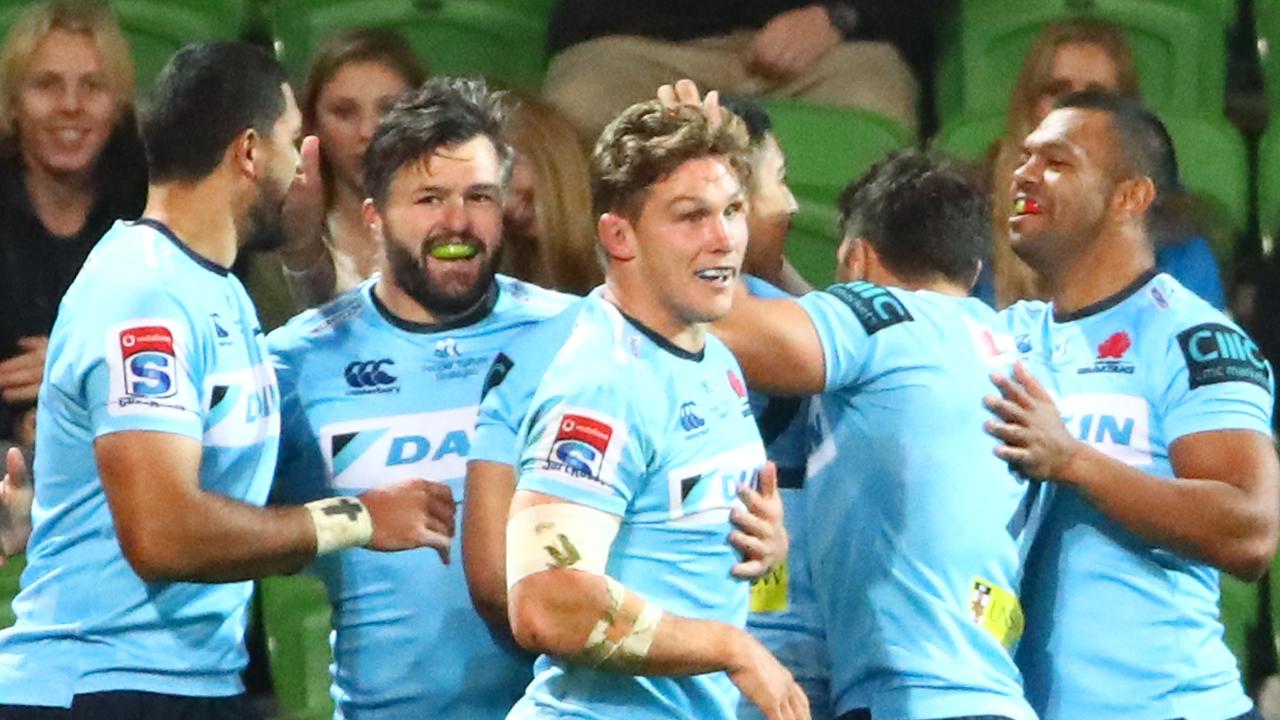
{"x":647,"y":142}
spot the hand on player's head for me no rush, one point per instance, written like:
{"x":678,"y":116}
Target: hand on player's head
{"x":685,"y":92}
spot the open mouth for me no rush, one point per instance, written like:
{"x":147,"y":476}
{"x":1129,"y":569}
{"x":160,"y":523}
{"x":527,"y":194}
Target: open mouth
{"x":720,"y":276}
{"x":1023,"y":205}
{"x":454,"y":251}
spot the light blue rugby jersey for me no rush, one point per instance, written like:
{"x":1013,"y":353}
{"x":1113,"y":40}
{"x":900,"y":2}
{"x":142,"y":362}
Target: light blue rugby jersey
{"x":916,"y":531}
{"x":368,"y":400}
{"x":513,"y":378}
{"x":784,"y":612}
{"x":626,"y":423}
{"x":150,"y":337}
{"x":1119,"y":628}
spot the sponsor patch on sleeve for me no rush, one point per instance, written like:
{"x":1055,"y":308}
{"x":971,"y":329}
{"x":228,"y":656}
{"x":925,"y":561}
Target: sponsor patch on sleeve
{"x":1216,"y":353}
{"x":497,"y":373}
{"x":579,"y":446}
{"x":875,"y":307}
{"x":142,"y":357}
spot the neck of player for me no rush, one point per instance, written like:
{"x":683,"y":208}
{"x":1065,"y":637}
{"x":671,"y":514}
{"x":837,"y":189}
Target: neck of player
{"x":200,"y":214}
{"x":648,"y":310}
{"x":1104,"y":268}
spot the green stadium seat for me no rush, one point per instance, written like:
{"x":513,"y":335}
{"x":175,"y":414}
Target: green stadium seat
{"x":1269,"y":182}
{"x":157,"y":28}
{"x":296,"y":616}
{"x":811,"y":245}
{"x":459,"y":37}
{"x":10,"y":574}
{"x":826,"y":147}
{"x":1211,"y":157}
{"x":1240,"y":616}
{"x":1179,"y":47}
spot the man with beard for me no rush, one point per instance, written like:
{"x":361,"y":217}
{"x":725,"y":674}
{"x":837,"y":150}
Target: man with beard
{"x":1153,"y":426}
{"x":383,"y":383}
{"x":158,"y":424}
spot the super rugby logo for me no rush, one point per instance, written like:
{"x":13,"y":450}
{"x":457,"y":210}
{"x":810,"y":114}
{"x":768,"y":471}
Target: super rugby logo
{"x":579,"y":446}
{"x":149,"y":361}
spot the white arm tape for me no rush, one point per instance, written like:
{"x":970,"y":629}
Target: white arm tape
{"x":630,"y":650}
{"x":341,"y":522}
{"x":556,"y":535}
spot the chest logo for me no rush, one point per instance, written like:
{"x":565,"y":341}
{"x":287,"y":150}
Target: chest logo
{"x":370,"y":376}
{"x":1110,"y":357}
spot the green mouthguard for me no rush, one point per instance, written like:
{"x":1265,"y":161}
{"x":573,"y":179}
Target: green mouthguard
{"x":453,"y":251}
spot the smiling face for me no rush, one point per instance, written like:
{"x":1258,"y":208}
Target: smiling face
{"x":347,"y":112}
{"x":442,"y":226}
{"x":1063,"y":190}
{"x":65,"y":106}
{"x":689,"y":239}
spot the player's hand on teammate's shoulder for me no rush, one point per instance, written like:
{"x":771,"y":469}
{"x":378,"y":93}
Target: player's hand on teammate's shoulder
{"x":1034,"y":439}
{"x":411,"y":514}
{"x":760,"y":534}
{"x":766,"y":682}
{"x":16,"y":496}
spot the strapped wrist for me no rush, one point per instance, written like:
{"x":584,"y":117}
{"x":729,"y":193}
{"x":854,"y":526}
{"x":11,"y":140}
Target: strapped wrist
{"x":340,"y":523}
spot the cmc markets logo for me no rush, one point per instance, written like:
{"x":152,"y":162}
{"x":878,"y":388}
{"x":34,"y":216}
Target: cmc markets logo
{"x":370,"y":376}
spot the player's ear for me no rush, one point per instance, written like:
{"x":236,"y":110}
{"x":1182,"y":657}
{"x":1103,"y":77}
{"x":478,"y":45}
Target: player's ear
{"x":1134,"y":195}
{"x":372,"y":218}
{"x":245,"y":152}
{"x":617,"y":236}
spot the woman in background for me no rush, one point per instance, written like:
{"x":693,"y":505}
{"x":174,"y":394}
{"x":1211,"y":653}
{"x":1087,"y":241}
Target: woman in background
{"x":354,"y":78}
{"x":71,"y":164}
{"x":549,"y":234}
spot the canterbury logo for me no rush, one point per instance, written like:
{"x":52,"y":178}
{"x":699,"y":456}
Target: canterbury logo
{"x":369,"y":373}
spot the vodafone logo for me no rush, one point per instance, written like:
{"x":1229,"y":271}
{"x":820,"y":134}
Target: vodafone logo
{"x":586,"y":429}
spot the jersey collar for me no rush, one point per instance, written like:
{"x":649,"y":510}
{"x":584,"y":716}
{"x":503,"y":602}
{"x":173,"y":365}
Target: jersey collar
{"x":200,"y":260}
{"x":470,"y":316}
{"x":662,"y":342}
{"x":1108,"y":302}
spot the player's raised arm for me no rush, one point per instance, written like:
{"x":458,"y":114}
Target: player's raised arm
{"x":563,"y":604}
{"x":775,"y":342}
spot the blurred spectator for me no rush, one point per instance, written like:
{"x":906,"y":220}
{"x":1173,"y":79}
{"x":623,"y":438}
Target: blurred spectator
{"x":549,"y":233}
{"x":70,"y":164}
{"x":354,"y":78}
{"x":1067,"y":57}
{"x":852,"y":53}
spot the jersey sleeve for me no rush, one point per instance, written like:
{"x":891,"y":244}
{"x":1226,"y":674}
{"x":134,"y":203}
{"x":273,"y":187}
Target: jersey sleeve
{"x":847,"y":318}
{"x":508,"y":390}
{"x":301,"y":475}
{"x":144,"y":369}
{"x":580,"y":442}
{"x":1219,"y":381}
